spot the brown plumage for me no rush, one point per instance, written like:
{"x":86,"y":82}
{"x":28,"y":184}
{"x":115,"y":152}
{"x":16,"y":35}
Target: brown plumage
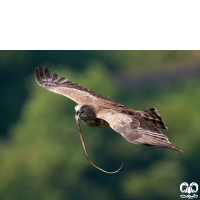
{"x":138,"y":127}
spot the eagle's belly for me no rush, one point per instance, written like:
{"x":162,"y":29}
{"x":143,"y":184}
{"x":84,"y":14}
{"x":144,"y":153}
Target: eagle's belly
{"x":96,"y":123}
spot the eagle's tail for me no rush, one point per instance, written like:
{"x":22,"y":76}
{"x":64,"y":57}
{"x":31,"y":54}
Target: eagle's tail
{"x":152,"y":116}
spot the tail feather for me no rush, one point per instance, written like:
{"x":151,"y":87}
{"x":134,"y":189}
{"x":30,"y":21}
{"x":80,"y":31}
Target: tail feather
{"x":152,"y":116}
{"x":152,"y":138}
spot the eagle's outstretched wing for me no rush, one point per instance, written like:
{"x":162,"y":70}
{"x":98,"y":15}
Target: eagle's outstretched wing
{"x":137,"y":127}
{"x":69,"y":89}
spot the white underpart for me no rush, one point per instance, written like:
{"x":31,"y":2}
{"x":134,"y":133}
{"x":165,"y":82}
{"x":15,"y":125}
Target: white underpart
{"x":78,"y":96}
{"x":114,"y":116}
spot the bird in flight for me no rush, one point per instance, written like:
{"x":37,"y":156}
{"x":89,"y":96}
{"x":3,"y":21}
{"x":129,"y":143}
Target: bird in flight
{"x":137,"y":127}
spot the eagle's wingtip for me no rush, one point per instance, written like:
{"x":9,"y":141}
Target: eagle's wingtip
{"x":38,"y":75}
{"x":177,"y":149}
{"x":181,"y":151}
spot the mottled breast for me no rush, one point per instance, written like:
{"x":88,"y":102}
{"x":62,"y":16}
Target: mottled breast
{"x":96,"y":123}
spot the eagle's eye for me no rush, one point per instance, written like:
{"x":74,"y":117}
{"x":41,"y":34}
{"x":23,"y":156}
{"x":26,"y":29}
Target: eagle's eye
{"x":84,"y":107}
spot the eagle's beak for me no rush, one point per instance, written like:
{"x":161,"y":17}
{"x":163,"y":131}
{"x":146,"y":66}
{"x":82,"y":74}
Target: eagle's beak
{"x":78,"y":112}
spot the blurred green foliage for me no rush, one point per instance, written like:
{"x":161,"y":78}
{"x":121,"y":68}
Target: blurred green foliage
{"x":40,"y":151}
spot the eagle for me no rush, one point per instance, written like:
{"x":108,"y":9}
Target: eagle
{"x":137,"y":127}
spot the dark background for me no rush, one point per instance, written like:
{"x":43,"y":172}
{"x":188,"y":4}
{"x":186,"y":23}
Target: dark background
{"x":41,"y":156}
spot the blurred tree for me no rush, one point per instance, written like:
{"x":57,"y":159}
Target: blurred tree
{"x":42,"y":157}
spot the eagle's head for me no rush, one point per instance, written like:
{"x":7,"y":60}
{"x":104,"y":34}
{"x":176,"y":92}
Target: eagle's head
{"x":85,"y":111}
